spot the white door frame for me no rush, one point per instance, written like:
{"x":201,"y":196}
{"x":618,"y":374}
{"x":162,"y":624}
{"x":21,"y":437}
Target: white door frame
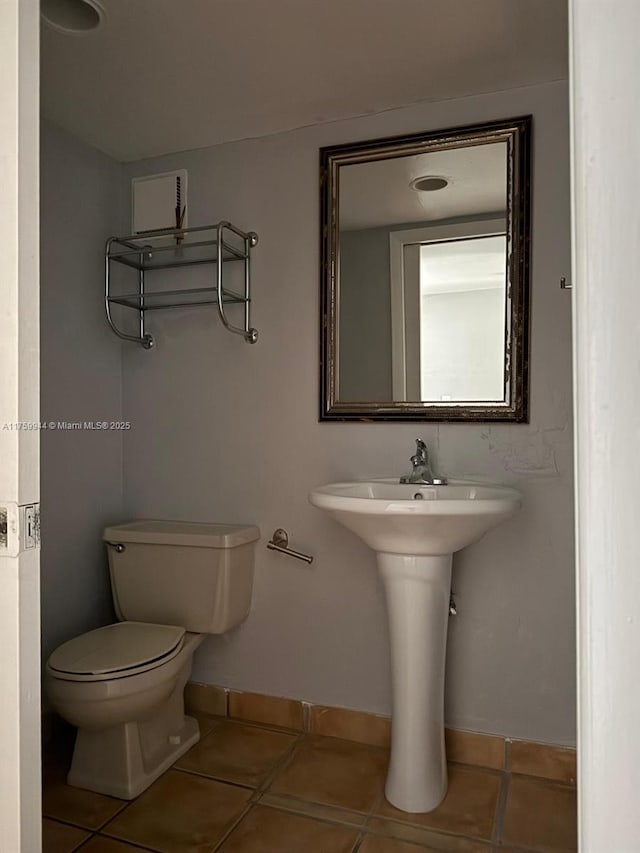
{"x":404,"y":280}
{"x":20,"y":807}
{"x":605,"y":68}
{"x":605,"y":107}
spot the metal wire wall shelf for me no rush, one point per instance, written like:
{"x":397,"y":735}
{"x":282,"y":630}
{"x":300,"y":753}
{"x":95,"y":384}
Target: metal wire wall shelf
{"x":148,"y":251}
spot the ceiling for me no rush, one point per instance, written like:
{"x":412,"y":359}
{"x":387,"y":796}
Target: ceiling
{"x":161,"y":76}
{"x":379,"y":193}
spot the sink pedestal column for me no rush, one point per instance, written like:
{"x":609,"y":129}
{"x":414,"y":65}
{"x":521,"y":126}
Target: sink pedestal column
{"x":417,"y":591}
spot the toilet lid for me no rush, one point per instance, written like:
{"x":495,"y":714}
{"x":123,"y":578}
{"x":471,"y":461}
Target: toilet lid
{"x":117,"y":650}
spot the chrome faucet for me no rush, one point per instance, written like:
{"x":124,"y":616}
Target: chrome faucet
{"x":421,"y":472}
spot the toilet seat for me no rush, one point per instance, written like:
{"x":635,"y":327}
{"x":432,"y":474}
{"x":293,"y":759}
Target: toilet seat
{"x":116,"y":651}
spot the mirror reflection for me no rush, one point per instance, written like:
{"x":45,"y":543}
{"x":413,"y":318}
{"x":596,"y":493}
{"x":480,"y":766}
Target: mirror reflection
{"x":424,"y":276}
{"x":461,"y":302}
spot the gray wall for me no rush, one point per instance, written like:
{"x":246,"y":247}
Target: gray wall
{"x":226,"y":431}
{"x":365,"y":372}
{"x":81,"y":380}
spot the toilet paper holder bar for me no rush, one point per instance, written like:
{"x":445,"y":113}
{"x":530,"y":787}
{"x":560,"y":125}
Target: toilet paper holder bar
{"x":280,"y":542}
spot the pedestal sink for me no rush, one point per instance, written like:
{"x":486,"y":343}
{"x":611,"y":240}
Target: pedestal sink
{"x":414,"y":530}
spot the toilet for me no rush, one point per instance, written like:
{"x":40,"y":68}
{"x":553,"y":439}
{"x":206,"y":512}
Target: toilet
{"x":173,"y":583}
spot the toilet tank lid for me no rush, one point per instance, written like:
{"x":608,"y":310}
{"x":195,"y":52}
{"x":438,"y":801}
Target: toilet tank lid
{"x":158,"y":532}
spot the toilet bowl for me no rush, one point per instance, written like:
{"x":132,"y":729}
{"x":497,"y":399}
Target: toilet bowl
{"x":123,"y":685}
{"x":130,"y":719}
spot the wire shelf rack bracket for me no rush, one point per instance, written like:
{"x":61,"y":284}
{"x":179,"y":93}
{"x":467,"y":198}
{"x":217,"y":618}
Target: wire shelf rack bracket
{"x":148,"y":251}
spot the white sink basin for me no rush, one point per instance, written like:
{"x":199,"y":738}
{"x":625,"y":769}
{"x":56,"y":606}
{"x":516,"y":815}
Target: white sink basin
{"x":418,"y":520}
{"x":414,"y":530}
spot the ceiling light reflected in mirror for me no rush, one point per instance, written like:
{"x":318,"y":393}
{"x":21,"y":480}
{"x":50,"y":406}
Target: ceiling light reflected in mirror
{"x":429,"y":183}
{"x":72,"y":17}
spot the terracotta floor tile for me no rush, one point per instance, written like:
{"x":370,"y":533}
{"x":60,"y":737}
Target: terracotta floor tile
{"x":540,"y":815}
{"x":100,"y":844}
{"x":319,"y":802}
{"x":77,"y":806}
{"x":379,"y":844}
{"x":266,"y":830}
{"x":425,"y":837}
{"x":180,"y":813}
{"x":337,"y":772}
{"x":469,"y":807}
{"x":60,"y":838}
{"x":237,"y":753}
{"x":285,"y":803}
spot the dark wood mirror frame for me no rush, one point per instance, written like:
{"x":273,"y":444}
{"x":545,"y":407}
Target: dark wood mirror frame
{"x":517,"y":134}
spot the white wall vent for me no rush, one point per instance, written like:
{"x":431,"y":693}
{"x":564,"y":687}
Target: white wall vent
{"x":158,"y":201}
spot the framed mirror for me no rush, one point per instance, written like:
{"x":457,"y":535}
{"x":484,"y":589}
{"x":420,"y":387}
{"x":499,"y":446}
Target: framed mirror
{"x":425,"y":276}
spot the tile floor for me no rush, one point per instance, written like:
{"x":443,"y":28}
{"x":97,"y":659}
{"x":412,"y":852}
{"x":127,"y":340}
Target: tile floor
{"x":256,"y":789}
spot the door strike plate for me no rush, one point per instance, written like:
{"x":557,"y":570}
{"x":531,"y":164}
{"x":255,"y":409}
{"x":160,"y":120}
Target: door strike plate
{"x":19,"y":527}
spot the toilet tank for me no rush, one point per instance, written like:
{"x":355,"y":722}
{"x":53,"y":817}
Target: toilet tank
{"x":198,"y":576}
